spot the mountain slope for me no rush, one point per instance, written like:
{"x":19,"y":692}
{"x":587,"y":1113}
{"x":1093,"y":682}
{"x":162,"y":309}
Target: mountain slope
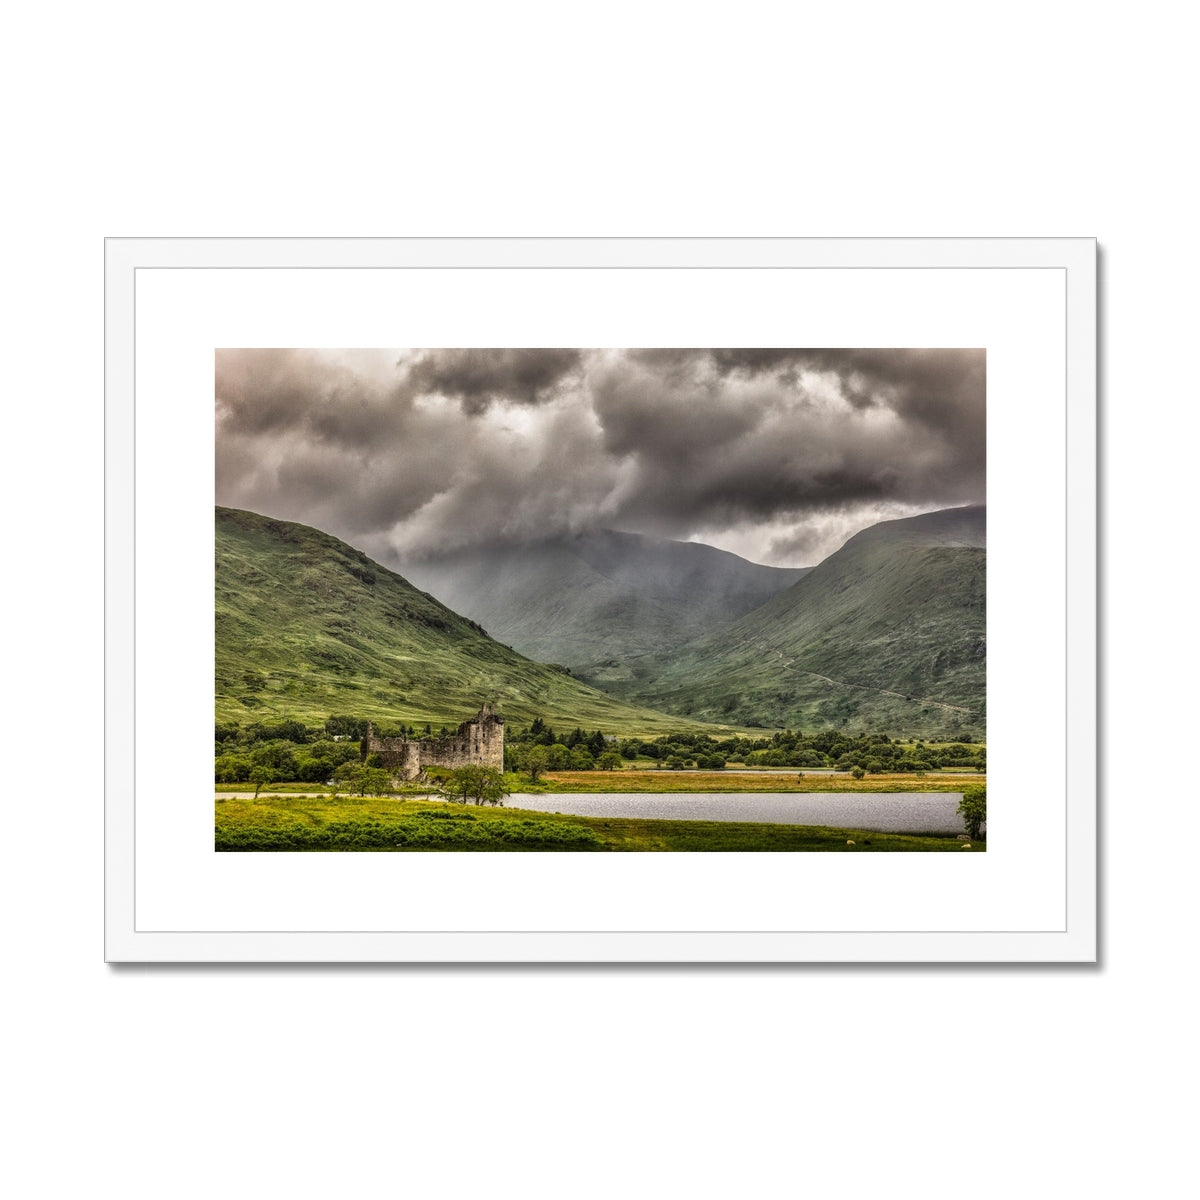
{"x":307,"y":627}
{"x":590,"y":602}
{"x":888,"y":633}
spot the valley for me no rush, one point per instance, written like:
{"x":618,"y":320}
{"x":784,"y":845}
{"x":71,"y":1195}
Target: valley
{"x":870,"y":665}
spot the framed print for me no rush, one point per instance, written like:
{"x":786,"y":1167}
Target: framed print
{"x":613,"y":600}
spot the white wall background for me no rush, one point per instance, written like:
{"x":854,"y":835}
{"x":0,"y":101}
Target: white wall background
{"x":622,"y":119}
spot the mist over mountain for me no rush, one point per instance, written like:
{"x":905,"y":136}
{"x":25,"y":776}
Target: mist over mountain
{"x":592,"y":601}
{"x":888,"y":633}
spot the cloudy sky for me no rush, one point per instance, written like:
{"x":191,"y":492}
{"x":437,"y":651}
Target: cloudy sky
{"x":777,"y":455}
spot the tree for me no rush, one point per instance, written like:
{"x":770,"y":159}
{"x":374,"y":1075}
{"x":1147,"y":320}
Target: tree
{"x":354,"y":728}
{"x":232,"y":768}
{"x":260,"y":775}
{"x":361,"y":779}
{"x":278,"y":755}
{"x":973,"y":810}
{"x":313,"y":770}
{"x":483,"y":785}
{"x":610,"y":760}
{"x":536,"y":762}
{"x":349,"y":773}
{"x":581,"y":758}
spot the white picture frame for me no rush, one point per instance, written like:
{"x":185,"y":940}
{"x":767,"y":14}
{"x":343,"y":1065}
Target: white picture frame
{"x":1030,"y":302}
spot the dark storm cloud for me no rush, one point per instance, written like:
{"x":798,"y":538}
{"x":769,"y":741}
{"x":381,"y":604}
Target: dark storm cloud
{"x":479,"y":378}
{"x":667,"y":404}
{"x":942,"y":389}
{"x":269,"y":392}
{"x":775,"y":453}
{"x":725,"y":435}
{"x":930,"y":385}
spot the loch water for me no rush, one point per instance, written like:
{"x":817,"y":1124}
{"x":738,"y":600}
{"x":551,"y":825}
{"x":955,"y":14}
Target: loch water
{"x":886,"y":812}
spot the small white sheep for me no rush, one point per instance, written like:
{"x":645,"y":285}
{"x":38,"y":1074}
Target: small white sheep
{"x":849,"y":842}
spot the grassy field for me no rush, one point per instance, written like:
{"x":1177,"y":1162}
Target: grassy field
{"x":725,"y":781}
{"x":280,"y":823}
{"x":680,"y":781}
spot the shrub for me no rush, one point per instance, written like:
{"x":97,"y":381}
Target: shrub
{"x":417,"y":831}
{"x":973,"y":810}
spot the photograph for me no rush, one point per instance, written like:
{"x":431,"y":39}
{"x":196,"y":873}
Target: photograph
{"x":601,"y":599}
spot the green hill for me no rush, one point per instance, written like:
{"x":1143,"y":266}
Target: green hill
{"x":592,"y":601}
{"x":308,"y":627}
{"x":888,"y":634}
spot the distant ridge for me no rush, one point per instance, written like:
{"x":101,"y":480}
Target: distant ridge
{"x":888,"y":633}
{"x":593,"y":600}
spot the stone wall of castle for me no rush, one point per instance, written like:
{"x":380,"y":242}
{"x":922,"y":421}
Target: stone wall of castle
{"x":478,"y":742}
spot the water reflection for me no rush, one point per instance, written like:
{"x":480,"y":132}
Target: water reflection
{"x":887,"y":812}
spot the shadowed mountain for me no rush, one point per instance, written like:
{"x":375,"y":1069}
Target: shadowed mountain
{"x":592,"y":601}
{"x":887,"y":634}
{"x":308,"y":627}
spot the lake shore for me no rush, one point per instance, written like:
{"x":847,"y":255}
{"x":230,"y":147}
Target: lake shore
{"x":326,"y":823}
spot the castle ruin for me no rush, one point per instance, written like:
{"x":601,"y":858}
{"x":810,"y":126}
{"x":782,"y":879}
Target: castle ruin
{"x":478,"y":742}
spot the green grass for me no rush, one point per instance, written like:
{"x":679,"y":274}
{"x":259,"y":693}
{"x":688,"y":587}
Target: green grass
{"x":308,"y":627}
{"x":645,"y":781}
{"x":376,"y":825}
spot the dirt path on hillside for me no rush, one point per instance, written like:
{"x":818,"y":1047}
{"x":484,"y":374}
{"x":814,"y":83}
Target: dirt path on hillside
{"x":790,"y":664}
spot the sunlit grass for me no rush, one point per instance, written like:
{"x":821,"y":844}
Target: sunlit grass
{"x":302,"y":824}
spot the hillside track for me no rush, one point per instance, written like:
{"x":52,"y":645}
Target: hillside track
{"x":790,"y":665}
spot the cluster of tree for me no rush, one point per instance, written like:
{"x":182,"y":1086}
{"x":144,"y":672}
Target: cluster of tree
{"x":872,"y":753}
{"x":277,"y":760}
{"x":409,"y":731}
{"x":823,"y":748}
{"x":291,"y":751}
{"x":535,"y":758}
{"x":287,"y":751}
{"x":539,"y":749}
{"x":679,"y":750}
{"x":540,"y":734}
